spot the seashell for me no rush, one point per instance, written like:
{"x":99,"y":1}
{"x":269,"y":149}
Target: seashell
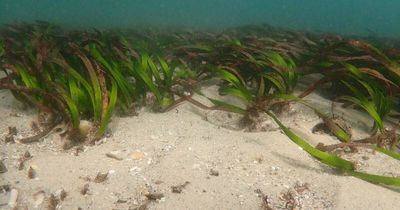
{"x":85,"y":127}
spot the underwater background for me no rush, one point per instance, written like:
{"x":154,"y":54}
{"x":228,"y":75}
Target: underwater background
{"x":350,"y":17}
{"x":82,"y":64}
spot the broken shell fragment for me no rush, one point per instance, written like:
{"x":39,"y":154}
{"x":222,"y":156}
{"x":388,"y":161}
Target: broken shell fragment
{"x":12,"y":202}
{"x":137,"y":155}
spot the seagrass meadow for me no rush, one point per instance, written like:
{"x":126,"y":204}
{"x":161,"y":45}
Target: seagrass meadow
{"x":83,"y":79}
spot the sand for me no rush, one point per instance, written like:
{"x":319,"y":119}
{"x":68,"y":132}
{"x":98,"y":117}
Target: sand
{"x":223,"y":168}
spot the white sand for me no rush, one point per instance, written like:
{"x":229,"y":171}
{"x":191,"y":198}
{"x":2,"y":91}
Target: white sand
{"x":181,"y":146}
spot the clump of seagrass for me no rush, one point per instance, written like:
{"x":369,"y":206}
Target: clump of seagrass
{"x":79,"y":78}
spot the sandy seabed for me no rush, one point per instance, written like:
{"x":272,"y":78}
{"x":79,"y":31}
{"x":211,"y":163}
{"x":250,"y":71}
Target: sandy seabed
{"x":189,"y":158}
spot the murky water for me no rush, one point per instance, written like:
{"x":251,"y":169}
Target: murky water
{"x":355,"y":17}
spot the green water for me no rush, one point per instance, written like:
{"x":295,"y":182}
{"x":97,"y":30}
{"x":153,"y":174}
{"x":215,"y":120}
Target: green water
{"x":354,"y":17}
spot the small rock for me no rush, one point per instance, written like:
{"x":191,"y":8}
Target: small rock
{"x":137,"y":155}
{"x":100,"y":177}
{"x":27,"y":155}
{"x":214,"y":172}
{"x":259,"y":159}
{"x":3,"y":168}
{"x":31,"y":173}
{"x":154,"y":196}
{"x":365,"y":157}
{"x":85,"y":189}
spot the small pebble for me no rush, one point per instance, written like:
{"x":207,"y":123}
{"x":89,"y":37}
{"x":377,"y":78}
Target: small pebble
{"x":3,"y":168}
{"x":100,"y":177}
{"x":31,"y":173}
{"x":214,"y":172}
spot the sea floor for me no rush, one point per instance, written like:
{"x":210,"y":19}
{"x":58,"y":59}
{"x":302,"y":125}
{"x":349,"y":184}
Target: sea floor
{"x":187,"y":158}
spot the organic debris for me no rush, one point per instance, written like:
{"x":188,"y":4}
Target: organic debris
{"x":21,"y":161}
{"x":12,"y":131}
{"x":265,"y":200}
{"x":31,"y":173}
{"x":179,"y":188}
{"x":291,"y":200}
{"x":154,"y":196}
{"x":63,"y":194}
{"x":113,"y":156}
{"x":100,"y":177}
{"x":9,"y":139}
{"x":52,"y":202}
{"x":85,"y":189}
{"x":85,"y":178}
{"x":3,"y":168}
{"x":5,"y":188}
{"x":143,"y":206}
{"x":78,"y":150}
